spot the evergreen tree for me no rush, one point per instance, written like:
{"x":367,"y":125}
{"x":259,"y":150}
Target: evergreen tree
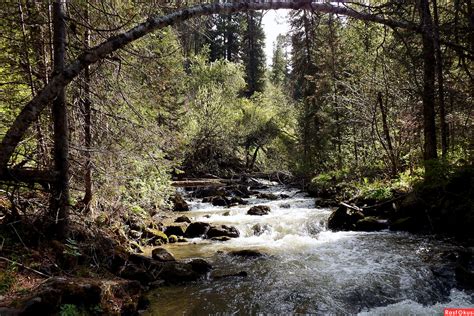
{"x":279,"y":71}
{"x":253,"y":54}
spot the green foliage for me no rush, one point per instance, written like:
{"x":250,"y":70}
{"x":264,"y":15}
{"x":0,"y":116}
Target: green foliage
{"x":72,"y":248}
{"x":70,"y":310}
{"x":7,"y":279}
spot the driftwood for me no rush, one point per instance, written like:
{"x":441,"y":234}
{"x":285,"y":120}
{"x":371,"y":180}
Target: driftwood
{"x":352,"y":207}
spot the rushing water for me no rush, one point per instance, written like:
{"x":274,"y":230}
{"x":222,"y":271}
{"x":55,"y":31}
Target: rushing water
{"x":308,"y":269}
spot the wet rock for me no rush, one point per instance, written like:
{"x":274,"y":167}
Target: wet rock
{"x":284,"y":196}
{"x":216,"y":200}
{"x":344,"y":218}
{"x":222,"y":230}
{"x":267,"y":196}
{"x":209,"y":192}
{"x":162,"y":255}
{"x":197,"y":229}
{"x":220,"y":201}
{"x":226,"y":213}
{"x":200,"y":266}
{"x":176,"y":230}
{"x":172,"y":239}
{"x":259,"y":229}
{"x":370,"y":224}
{"x":182,"y":219}
{"x":285,"y":205}
{"x":179,"y":204}
{"x":259,"y":210}
{"x":178,"y":272}
{"x":247,"y":253}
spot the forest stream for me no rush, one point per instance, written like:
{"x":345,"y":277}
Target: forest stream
{"x":307,"y":269}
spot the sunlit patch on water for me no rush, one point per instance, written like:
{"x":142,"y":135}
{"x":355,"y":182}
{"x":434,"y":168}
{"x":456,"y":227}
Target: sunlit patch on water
{"x":308,"y":269}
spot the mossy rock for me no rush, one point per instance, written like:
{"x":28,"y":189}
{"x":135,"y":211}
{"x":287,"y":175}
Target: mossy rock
{"x":172,"y":239}
{"x":156,"y":236}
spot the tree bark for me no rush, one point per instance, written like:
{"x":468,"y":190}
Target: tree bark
{"x":439,"y":72}
{"x":32,"y":109}
{"x":60,"y":188}
{"x":386,"y":132}
{"x":429,"y":62}
{"x":86,"y":112}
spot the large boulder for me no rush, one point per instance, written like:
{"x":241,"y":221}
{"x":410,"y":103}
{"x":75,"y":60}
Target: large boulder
{"x":197,"y":229}
{"x":179,"y":204}
{"x":222,"y":231}
{"x":344,"y":218}
{"x":259,"y":210}
{"x":162,"y":255}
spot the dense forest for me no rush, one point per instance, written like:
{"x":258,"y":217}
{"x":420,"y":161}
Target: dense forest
{"x":107,"y":106}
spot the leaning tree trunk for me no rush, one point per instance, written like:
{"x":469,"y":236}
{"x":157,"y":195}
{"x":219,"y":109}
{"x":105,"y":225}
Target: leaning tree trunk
{"x":429,"y":125}
{"x":60,"y":192}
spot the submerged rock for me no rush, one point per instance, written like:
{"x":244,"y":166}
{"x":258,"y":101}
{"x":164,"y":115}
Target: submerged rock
{"x":162,"y":255}
{"x":267,"y":196}
{"x":238,"y":200}
{"x":248,"y":253}
{"x":182,"y":219}
{"x":179,"y":204}
{"x":222,"y":231}
{"x":241,"y":274}
{"x":370,"y":224}
{"x":197,"y":229}
{"x":259,"y":210}
{"x":221,"y":238}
